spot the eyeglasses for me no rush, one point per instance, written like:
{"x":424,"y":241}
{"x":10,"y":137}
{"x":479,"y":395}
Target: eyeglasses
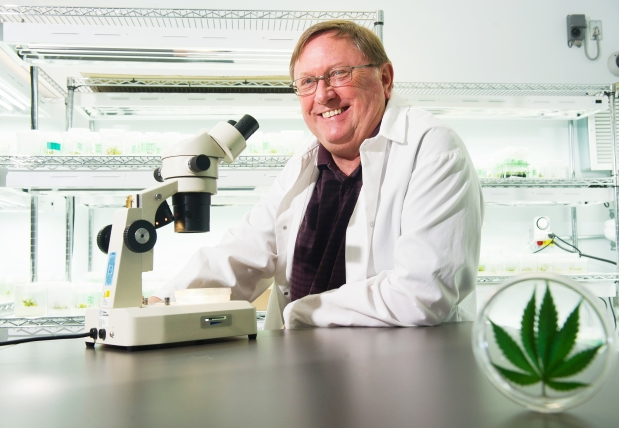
{"x":336,"y":77}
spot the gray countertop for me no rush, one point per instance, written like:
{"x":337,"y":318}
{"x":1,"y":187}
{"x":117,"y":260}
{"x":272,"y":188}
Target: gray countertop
{"x":340,"y":377}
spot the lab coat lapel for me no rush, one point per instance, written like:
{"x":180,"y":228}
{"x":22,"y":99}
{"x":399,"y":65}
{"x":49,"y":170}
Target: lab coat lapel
{"x":361,"y":224}
{"x":374,"y":153}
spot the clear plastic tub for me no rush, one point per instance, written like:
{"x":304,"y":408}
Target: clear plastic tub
{"x":8,"y":143}
{"x":133,"y":143}
{"x":77,"y":141}
{"x":528,"y":264}
{"x":511,"y":265}
{"x":85,"y":296}
{"x":112,"y":141}
{"x":579,"y":266}
{"x":545,"y":263}
{"x":59,"y":299}
{"x":31,"y":143}
{"x":30,"y":300}
{"x":561,"y":265}
{"x":202,"y":295}
{"x":152,"y":143}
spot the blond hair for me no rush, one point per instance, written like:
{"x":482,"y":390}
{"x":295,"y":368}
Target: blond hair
{"x":364,"y":39}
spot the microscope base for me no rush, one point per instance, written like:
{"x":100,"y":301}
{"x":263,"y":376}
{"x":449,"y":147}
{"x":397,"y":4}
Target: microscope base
{"x":156,"y":325}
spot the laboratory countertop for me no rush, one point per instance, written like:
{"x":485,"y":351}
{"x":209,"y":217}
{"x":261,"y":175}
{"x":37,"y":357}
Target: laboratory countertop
{"x":339,"y":377}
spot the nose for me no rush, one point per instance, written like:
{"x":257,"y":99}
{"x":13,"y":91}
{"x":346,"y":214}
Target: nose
{"x":324,"y":92}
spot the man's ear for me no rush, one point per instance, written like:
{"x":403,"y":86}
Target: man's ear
{"x":386,"y":78}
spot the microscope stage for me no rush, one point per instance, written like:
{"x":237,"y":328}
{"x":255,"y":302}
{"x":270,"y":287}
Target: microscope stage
{"x":161,"y":325}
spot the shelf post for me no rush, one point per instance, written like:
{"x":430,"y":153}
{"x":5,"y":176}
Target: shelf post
{"x":70,"y":229}
{"x":613,"y":145}
{"x":91,"y":225}
{"x":572,"y":142}
{"x":379,"y":23}
{"x":34,"y":97}
{"x":70,"y":102}
{"x":34,"y":238}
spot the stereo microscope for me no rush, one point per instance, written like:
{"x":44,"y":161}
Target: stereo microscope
{"x":188,"y":175}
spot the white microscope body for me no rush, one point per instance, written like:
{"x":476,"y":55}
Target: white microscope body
{"x":189,"y":175}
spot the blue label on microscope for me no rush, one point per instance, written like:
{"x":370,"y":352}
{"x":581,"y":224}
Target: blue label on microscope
{"x":109,"y":273}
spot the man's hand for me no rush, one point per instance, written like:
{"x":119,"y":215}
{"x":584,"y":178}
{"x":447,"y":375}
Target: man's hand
{"x":153,"y":299}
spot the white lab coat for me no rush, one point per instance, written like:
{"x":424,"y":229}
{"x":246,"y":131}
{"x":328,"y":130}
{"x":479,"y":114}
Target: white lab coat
{"x":412,"y":243}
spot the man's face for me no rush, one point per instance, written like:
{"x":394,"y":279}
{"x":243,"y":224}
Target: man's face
{"x":362,"y":101}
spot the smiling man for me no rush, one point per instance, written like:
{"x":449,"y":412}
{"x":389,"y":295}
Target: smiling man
{"x":376,"y":223}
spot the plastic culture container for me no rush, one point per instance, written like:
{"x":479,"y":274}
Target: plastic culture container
{"x":133,"y":143}
{"x":544,"y":263}
{"x":579,"y":266}
{"x":202,"y":295}
{"x":30,"y":300}
{"x":85,"y":296}
{"x":30,"y":143}
{"x":528,"y":264}
{"x":511,"y":265}
{"x":53,"y":144}
{"x":112,"y":141}
{"x":254,"y":143}
{"x":561,"y":265}
{"x":77,"y":141}
{"x":152,"y":143}
{"x":7,"y":287}
{"x":59,"y":299}
{"x":8,"y":144}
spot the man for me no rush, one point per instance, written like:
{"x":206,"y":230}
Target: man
{"x":376,"y":223}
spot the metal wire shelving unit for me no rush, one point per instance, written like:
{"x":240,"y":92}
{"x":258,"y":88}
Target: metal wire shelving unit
{"x":590,"y":278}
{"x":127,"y":162}
{"x":71,"y":324}
{"x":501,"y":89}
{"x":279,"y":20}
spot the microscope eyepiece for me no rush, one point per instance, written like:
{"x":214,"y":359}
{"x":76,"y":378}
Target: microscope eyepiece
{"x":247,"y":125}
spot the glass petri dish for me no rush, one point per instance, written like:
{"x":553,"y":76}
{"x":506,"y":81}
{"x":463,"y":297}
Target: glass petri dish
{"x":545,"y":342}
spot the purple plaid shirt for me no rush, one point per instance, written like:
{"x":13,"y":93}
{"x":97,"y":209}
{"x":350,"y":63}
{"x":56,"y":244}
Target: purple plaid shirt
{"x":319,"y":262}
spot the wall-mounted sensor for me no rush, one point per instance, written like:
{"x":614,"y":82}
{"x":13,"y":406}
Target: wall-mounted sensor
{"x":576,"y":25}
{"x":541,"y":229}
{"x":613,"y":63}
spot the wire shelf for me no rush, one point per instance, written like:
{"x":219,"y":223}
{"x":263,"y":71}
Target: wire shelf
{"x":80,"y":162}
{"x":594,"y":277}
{"x":42,"y":322}
{"x":500,"y":89}
{"x":217,"y":85}
{"x":270,"y":20}
{"x":54,"y":325}
{"x":127,"y":162}
{"x":545,"y":182}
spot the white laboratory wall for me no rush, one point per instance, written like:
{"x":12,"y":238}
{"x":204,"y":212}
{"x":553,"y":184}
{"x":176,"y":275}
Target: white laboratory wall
{"x":456,"y":41}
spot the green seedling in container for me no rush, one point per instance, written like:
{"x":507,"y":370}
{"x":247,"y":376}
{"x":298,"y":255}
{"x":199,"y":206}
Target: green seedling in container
{"x":29,"y":302}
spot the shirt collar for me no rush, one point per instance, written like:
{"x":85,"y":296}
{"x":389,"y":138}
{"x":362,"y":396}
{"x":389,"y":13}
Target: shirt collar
{"x":325,"y":160}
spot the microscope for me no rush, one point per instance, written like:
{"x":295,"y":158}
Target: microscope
{"x":188,"y":175}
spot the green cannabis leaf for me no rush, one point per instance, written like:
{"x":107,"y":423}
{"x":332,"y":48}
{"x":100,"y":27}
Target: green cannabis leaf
{"x":546,"y":349}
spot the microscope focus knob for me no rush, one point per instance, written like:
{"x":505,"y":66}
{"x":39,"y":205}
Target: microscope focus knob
{"x":140,"y":236}
{"x":199,"y":163}
{"x":103,"y":238}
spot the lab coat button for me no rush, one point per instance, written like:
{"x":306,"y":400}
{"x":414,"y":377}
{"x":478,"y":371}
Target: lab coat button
{"x":371,"y":224}
{"x":285,"y":227}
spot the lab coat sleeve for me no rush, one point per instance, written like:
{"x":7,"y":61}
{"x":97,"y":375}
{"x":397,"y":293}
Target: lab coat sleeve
{"x":435,"y":256}
{"x":245,"y":258}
